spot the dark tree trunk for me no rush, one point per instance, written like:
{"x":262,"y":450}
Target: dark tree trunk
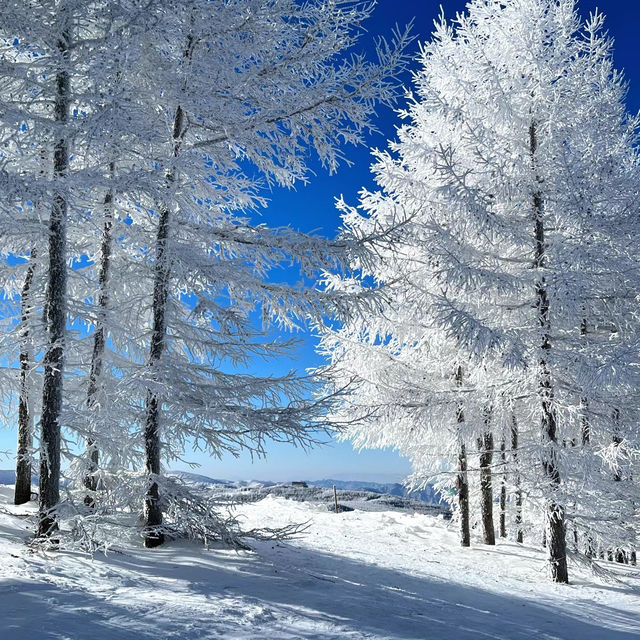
{"x":617,"y":440}
{"x":56,"y":299}
{"x":516,"y":470}
{"x":99,"y":344}
{"x":585,"y":426}
{"x":25,"y":414}
{"x":584,"y":402}
{"x":585,"y":437}
{"x":503,"y":490}
{"x":153,"y":510}
{"x":153,"y":537}
{"x":162,"y":269}
{"x":462,"y":485}
{"x":556,"y":542}
{"x":589,"y":548}
{"x":462,"y":480}
{"x":485,"y":447}
{"x":620,"y":555}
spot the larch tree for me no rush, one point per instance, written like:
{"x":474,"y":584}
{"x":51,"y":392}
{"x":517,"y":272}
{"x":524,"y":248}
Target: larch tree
{"x":36,"y":105}
{"x":510,"y":200}
{"x":165,"y":122}
{"x":59,"y":60}
{"x":245,"y":90}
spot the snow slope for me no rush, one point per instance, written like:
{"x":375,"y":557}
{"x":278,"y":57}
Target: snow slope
{"x":353,"y":576}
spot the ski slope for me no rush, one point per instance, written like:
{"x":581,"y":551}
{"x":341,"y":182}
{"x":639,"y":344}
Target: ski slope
{"x":353,"y":576}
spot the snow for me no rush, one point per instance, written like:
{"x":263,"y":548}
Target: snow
{"x":355,"y":576}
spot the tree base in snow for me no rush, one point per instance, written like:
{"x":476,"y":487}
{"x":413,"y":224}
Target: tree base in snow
{"x":341,"y":508}
{"x":151,"y":541}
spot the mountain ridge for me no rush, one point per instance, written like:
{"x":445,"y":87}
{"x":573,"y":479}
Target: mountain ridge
{"x":427,"y":494}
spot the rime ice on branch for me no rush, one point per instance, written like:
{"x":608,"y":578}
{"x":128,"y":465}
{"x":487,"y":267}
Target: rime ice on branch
{"x":165,"y":122}
{"x":503,"y":223}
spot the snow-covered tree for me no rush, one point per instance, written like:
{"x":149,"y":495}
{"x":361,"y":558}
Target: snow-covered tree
{"x":165,"y":122}
{"x":510,"y":202}
{"x":244,"y":89}
{"x":58,"y":61}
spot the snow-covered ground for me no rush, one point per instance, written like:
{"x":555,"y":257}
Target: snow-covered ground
{"x":353,"y":576}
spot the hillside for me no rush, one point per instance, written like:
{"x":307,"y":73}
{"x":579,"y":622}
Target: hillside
{"x":427,"y":494}
{"x":390,"y":488}
{"x":349,"y":499}
{"x":368,"y":496}
{"x":363,"y":575}
{"x":8,"y":476}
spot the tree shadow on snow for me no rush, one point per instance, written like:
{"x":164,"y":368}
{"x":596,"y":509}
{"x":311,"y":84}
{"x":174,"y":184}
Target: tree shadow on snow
{"x":297,"y":593}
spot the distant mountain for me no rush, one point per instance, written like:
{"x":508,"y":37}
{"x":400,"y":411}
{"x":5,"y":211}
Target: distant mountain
{"x":429,"y":494}
{"x":196,"y":478}
{"x":256,"y":483}
{"x":8,"y":476}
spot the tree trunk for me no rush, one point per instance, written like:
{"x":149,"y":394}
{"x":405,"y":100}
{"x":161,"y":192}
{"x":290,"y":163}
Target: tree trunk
{"x":617,"y":440}
{"x":153,"y":537}
{"x":162,"y":268}
{"x":56,"y":298}
{"x":556,"y":542}
{"x":485,"y":447}
{"x":516,"y":470}
{"x":620,"y":555}
{"x":25,"y":412}
{"x":92,"y":453}
{"x":584,"y":402}
{"x":153,"y":510}
{"x":462,"y":485}
{"x":462,"y":480}
{"x":503,"y":490}
{"x":585,"y":437}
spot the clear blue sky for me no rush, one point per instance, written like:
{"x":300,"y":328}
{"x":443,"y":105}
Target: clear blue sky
{"x":311,"y":207}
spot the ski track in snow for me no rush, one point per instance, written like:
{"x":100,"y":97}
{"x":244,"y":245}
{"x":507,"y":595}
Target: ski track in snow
{"x":353,"y":576}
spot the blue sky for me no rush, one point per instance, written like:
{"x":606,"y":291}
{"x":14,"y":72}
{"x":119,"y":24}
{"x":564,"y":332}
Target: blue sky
{"x":311,"y":207}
